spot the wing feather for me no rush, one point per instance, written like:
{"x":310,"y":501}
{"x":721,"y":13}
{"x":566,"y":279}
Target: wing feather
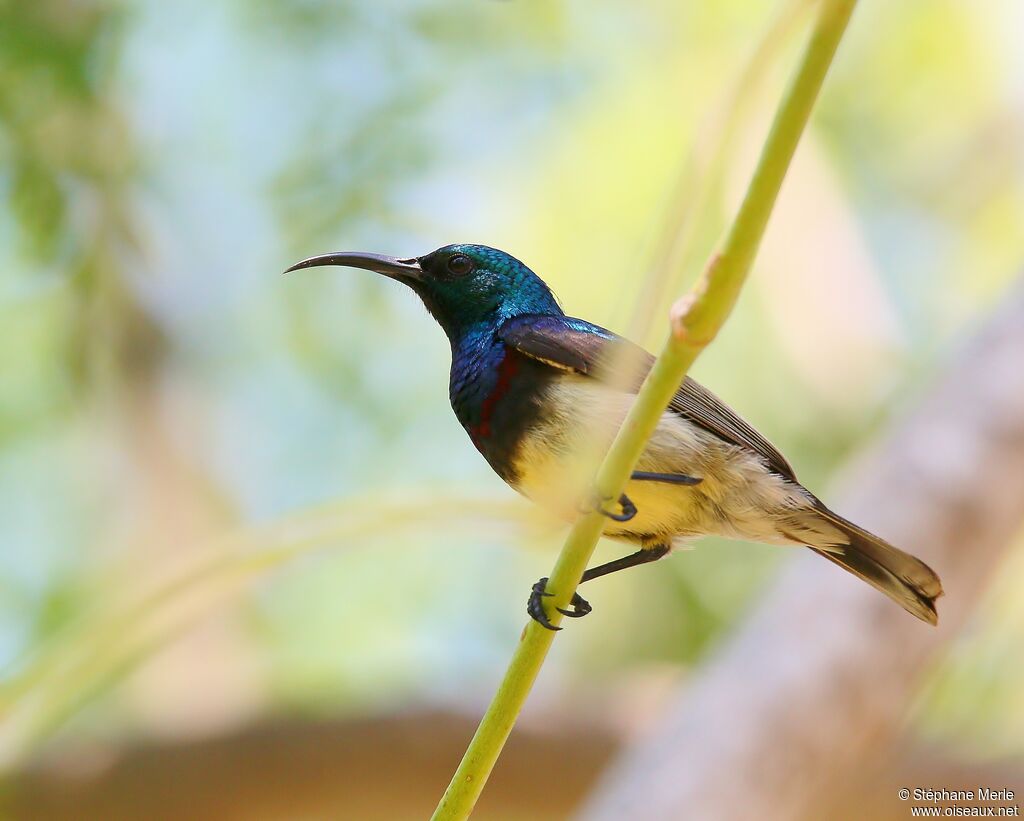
{"x":578,"y":346}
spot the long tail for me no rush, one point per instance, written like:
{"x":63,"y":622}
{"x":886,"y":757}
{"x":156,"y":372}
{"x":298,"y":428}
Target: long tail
{"x":903,"y":578}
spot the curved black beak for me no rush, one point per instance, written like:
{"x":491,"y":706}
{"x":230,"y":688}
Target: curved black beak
{"x":404,"y":270}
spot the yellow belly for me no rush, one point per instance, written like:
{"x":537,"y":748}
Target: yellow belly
{"x":737,"y":496}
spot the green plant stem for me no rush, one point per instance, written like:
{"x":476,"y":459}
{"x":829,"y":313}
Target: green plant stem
{"x":695,"y":320}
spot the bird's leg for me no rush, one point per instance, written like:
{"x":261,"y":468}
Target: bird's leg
{"x":580,"y":606}
{"x":667,"y":478}
{"x":642,"y":556}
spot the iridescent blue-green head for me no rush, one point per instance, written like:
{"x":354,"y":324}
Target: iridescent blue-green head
{"x":463,"y":286}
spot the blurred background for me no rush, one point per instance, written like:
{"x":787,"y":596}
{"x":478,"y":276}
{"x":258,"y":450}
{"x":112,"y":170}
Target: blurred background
{"x":249,"y":562}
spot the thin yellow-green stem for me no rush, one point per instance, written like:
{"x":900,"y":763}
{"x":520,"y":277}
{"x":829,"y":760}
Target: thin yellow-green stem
{"x":696,"y":319}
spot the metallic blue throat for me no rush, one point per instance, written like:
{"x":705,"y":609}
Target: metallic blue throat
{"x":496,"y":394}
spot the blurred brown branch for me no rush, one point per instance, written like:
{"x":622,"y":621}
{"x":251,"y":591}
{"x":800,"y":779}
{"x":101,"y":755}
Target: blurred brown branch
{"x":388,"y":765}
{"x":816,"y":683}
{"x":374,"y":768}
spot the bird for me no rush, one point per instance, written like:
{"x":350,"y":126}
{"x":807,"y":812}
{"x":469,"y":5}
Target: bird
{"x":529,"y":384}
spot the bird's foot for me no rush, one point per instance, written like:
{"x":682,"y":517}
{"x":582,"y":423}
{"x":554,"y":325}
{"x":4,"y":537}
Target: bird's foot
{"x":535,"y":606}
{"x":598,"y":502}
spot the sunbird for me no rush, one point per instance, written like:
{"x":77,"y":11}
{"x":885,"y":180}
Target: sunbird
{"x":530,"y":385}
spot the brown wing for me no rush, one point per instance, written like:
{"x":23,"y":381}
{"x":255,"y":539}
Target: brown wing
{"x":579,"y":346}
{"x":703,"y":408}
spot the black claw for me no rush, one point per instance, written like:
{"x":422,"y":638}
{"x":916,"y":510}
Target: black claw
{"x":628,"y":509}
{"x":535,"y":605}
{"x":580,"y":607}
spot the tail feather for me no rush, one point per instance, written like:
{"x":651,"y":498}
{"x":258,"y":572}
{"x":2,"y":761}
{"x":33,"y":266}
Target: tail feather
{"x":903,"y":578}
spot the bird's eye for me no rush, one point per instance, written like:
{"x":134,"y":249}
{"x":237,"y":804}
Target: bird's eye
{"x":460,"y":264}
